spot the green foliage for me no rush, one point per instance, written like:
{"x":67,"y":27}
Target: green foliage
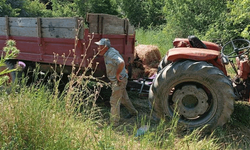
{"x":36,"y":125}
{"x":144,"y":13}
{"x":60,"y":8}
{"x":83,"y":7}
{"x":63,"y":8}
{"x":241,"y":114}
{"x":210,"y":20}
{"x":22,"y":8}
{"x":33,"y":8}
{"x":232,"y":23}
{"x":104,"y":6}
{"x":192,"y":17}
{"x":155,"y":14}
{"x":7,"y":9}
{"x":240,"y":16}
{"x":35,"y":118}
{"x":136,"y":11}
{"x":157,"y":36}
{"x":10,"y":52}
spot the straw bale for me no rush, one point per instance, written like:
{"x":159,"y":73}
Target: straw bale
{"x":137,"y":73}
{"x":137,"y":63}
{"x":147,"y":59}
{"x":149,"y":71}
{"x":148,"y":54}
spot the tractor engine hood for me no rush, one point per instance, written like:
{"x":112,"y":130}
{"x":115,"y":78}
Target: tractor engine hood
{"x":197,"y":54}
{"x":184,"y":42}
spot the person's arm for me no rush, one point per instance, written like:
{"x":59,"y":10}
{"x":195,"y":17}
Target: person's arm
{"x":119,"y":70}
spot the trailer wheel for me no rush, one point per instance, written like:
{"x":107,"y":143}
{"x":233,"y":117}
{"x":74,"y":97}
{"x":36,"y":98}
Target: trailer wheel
{"x":198,"y":91}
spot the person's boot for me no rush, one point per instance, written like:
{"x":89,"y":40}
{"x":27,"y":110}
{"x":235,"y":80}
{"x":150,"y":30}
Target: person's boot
{"x":131,"y":115}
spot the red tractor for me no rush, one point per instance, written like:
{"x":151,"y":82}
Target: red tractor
{"x":193,"y":81}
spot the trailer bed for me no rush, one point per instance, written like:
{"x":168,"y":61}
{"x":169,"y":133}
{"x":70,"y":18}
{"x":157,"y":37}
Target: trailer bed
{"x":65,"y":40}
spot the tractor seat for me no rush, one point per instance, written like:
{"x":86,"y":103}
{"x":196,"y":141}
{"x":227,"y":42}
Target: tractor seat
{"x":196,"y":42}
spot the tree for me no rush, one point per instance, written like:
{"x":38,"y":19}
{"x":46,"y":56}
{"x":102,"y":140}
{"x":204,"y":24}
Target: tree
{"x":104,"y":6}
{"x":186,"y":17}
{"x":64,"y":8}
{"x":233,"y":23}
{"x":83,"y":7}
{"x":34,"y":8}
{"x":144,"y":13}
{"x":155,"y":13}
{"x":136,"y":12}
{"x":22,"y":8}
{"x":7,"y":9}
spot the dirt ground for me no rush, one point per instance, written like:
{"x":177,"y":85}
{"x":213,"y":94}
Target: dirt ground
{"x":140,"y":103}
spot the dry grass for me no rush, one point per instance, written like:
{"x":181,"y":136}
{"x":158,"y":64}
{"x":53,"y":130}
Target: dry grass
{"x":147,"y":59}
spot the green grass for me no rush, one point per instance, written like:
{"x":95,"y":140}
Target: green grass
{"x":158,"y":37}
{"x":35,"y":117}
{"x":40,"y":117}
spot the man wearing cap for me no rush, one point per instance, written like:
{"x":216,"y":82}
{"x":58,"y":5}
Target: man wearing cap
{"x":116,"y":73}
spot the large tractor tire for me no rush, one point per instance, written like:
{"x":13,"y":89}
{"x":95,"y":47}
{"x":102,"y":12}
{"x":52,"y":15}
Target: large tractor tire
{"x":198,"y":91}
{"x":164,"y":62}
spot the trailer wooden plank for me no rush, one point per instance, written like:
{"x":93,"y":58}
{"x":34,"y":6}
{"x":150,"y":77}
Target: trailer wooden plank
{"x":59,"y":33}
{"x":50,"y":27}
{"x":23,"y":31}
{"x":46,"y":22}
{"x":2,"y":30}
{"x":59,"y":22}
{"x":60,"y":27}
{"x":108,"y":24}
{"x":2,"y":21}
{"x":22,"y":22}
{"x":46,"y":32}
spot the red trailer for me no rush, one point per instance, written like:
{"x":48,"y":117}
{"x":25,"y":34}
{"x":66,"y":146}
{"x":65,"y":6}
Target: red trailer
{"x":47,"y":40}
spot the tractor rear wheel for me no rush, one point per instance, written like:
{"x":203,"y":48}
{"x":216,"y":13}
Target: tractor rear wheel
{"x":198,"y":91}
{"x":164,"y":62}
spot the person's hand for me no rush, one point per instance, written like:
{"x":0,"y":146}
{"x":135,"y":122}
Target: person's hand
{"x":119,"y":77}
{"x":119,"y":70}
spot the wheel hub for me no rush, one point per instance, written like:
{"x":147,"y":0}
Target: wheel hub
{"x":190,"y":101}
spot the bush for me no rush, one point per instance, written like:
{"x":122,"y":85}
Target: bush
{"x":10,"y":52}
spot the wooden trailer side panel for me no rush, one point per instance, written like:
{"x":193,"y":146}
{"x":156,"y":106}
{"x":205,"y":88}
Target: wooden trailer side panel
{"x":109,"y":24}
{"x":53,"y":40}
{"x":43,"y":39}
{"x":47,"y":27}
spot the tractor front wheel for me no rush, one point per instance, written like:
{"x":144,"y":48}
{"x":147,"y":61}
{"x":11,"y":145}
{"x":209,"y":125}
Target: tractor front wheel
{"x":197,"y":91}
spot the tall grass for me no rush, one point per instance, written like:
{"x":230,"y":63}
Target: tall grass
{"x":35,"y":118}
{"x":158,"y":37}
{"x":41,"y":117}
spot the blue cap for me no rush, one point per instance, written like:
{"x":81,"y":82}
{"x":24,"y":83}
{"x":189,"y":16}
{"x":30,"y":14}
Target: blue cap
{"x":103,"y":41}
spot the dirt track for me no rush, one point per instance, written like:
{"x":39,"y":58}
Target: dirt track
{"x":140,"y":103}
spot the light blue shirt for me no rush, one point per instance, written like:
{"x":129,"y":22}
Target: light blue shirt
{"x":112,"y":59}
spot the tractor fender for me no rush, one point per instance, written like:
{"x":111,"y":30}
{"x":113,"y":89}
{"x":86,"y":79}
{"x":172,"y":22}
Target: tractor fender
{"x":184,"y":42}
{"x":197,"y":54}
